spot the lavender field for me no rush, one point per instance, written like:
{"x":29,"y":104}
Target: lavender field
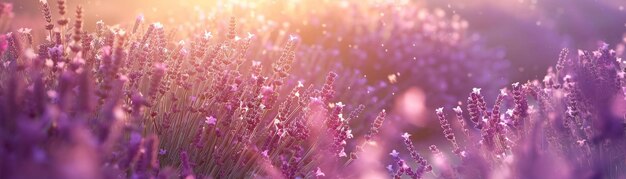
{"x":497,"y":89}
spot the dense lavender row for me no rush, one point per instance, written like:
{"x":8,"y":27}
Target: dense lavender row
{"x":129,"y":103}
{"x":381,"y":51}
{"x":385,"y":47}
{"x":570,"y":125}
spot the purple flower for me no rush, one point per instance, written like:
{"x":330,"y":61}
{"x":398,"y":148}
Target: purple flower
{"x":211,"y":121}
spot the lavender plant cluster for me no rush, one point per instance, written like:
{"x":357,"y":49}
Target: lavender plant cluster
{"x":571,"y":124}
{"x":385,"y":47}
{"x":132,"y":103}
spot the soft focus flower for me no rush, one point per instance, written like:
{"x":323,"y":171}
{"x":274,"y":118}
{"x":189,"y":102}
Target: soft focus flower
{"x":319,"y":173}
{"x":394,"y":153}
{"x":406,"y":136}
{"x":411,"y":105}
{"x":210,"y":120}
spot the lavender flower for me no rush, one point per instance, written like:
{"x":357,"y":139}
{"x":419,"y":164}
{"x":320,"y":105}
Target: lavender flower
{"x":557,"y":125}
{"x":206,"y":110}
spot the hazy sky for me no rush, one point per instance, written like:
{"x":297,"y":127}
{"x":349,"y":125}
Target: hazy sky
{"x":532,"y":31}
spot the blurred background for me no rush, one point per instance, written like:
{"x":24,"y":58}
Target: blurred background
{"x":532,"y":32}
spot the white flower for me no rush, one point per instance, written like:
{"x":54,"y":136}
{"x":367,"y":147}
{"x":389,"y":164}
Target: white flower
{"x":567,"y":78}
{"x":342,"y":153}
{"x":121,"y":32}
{"x":406,"y":136}
{"x":292,"y":38}
{"x":264,"y":153}
{"x":405,"y":166}
{"x":394,"y":153}
{"x":210,"y":120}
{"x":316,"y":100}
{"x":597,"y":54}
{"x":515,"y":84}
{"x":570,"y":111}
{"x":250,"y":35}
{"x":439,"y":110}
{"x":390,"y":168}
{"x":476,"y":90}
{"x":49,"y":63}
{"x":349,"y":134}
{"x":207,"y":35}
{"x":24,"y":30}
{"x":184,"y":52}
{"x":509,"y":112}
{"x":547,"y":79}
{"x":158,"y":25}
{"x":531,"y":109}
{"x":458,"y":109}
{"x":256,"y":63}
{"x":319,"y":172}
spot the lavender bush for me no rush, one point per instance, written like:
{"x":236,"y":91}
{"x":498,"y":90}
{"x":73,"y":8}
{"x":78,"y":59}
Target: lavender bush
{"x":128,"y":102}
{"x":569,"y":125}
{"x":384,"y":47}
